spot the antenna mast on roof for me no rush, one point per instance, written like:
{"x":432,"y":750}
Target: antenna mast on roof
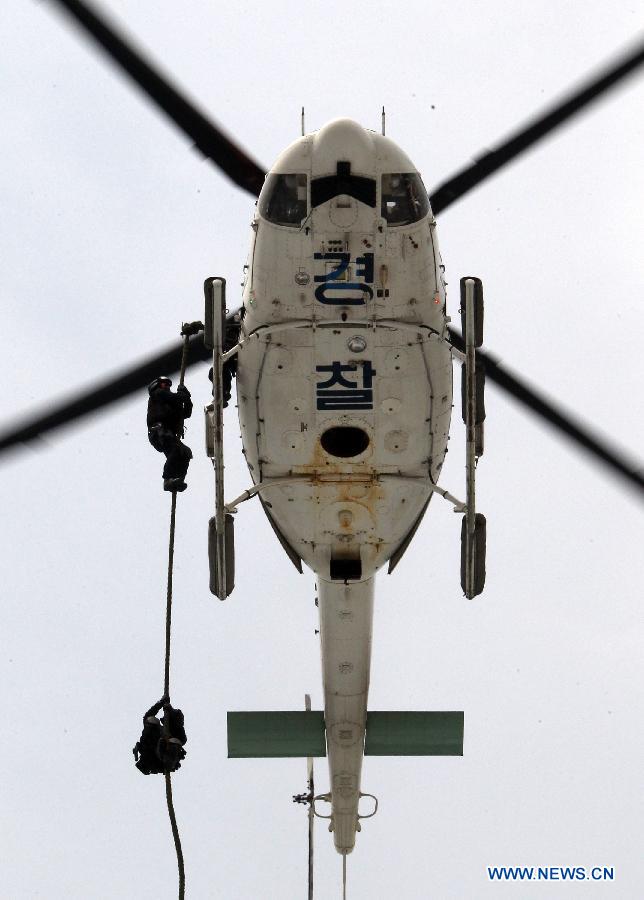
{"x":383,"y":120}
{"x":302,"y":121}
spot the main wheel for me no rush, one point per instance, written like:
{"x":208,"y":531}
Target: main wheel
{"x":478,"y":309}
{"x":230,"y":554}
{"x":477,"y":543}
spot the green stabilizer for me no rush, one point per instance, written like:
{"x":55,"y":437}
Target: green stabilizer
{"x":257,"y":735}
{"x":414,"y":734}
{"x":276,"y":734}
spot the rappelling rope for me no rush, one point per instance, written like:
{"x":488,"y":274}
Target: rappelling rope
{"x":166,"y":691}
{"x":168,"y":607}
{"x":186,"y":332}
{"x":168,"y":635}
{"x":175,"y":835}
{"x":344,"y":875}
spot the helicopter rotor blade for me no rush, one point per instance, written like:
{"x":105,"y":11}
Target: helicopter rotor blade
{"x":558,"y":418}
{"x":168,"y":361}
{"x":474,"y":174}
{"x":103,"y":393}
{"x":208,"y":138}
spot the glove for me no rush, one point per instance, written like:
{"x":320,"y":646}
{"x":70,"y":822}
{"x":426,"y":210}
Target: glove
{"x":182,"y":389}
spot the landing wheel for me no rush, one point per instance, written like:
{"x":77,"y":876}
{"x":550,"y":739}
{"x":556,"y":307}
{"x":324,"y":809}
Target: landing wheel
{"x":473,"y":557}
{"x":477,"y":311}
{"x":228,"y":554}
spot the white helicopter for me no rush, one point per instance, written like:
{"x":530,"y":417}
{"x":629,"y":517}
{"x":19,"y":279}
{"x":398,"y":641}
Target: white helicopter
{"x":345,"y":394}
{"x":344,"y":388}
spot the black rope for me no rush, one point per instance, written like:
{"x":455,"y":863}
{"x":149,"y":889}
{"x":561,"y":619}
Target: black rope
{"x":168,"y":608}
{"x":175,"y":835}
{"x":187,"y":331}
{"x":166,"y":691}
{"x":166,"y":674}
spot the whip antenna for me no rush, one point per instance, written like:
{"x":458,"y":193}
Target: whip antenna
{"x":309,"y":798}
{"x":309,"y":761}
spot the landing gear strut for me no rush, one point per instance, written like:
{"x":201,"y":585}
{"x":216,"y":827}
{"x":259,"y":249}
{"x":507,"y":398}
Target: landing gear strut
{"x":221,"y":547}
{"x":473,"y":529}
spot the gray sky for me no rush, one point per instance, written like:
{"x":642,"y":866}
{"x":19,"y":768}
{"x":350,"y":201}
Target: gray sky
{"x":110,"y":222}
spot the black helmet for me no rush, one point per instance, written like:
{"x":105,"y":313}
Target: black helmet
{"x":157,"y":383}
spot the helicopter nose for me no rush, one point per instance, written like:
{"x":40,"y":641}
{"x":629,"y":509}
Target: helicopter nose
{"x":343,"y":141}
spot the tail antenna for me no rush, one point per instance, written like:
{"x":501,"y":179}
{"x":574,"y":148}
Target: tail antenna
{"x":302,"y":121}
{"x":383,"y":120}
{"x":309,"y":763}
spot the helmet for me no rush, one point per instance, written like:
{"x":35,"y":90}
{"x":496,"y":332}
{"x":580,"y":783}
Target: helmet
{"x":157,"y":383}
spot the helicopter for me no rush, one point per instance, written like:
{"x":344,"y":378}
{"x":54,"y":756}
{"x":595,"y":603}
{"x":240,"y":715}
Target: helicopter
{"x":345,"y":396}
{"x":376,"y":370}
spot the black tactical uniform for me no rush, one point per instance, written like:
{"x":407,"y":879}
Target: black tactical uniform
{"x":170,"y":748}
{"x":166,"y":414}
{"x":231,"y":337}
{"x":145,"y":750}
{"x":160,"y":747}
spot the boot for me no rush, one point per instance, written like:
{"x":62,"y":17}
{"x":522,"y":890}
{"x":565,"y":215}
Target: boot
{"x":174,"y":484}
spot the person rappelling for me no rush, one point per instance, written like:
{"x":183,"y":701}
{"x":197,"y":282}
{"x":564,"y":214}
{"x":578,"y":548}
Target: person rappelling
{"x":167,"y":412}
{"x":145,"y":750}
{"x":170,"y":747}
{"x":160,"y":747}
{"x":229,"y":370}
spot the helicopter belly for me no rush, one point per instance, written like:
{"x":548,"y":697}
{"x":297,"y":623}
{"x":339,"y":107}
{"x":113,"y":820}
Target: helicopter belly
{"x":356,"y":436}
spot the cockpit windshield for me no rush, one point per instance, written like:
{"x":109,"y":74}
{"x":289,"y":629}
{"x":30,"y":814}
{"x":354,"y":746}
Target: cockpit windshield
{"x":283,"y":199}
{"x":404,"y":198}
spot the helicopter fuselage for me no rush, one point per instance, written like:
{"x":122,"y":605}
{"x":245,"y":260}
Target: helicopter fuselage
{"x":345,"y":394}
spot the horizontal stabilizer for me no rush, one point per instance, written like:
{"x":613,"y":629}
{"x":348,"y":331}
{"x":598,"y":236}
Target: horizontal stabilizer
{"x":276,"y":734}
{"x":414,"y":734}
{"x":258,"y":735}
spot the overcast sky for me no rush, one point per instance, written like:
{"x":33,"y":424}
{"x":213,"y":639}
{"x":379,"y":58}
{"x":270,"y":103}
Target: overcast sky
{"x":110,"y":222}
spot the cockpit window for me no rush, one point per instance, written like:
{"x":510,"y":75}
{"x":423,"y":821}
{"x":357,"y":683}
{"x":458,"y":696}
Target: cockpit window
{"x":404,"y":198}
{"x":283,"y":199}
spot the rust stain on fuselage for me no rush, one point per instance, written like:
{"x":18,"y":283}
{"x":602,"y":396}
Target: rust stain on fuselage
{"x":357,"y":484}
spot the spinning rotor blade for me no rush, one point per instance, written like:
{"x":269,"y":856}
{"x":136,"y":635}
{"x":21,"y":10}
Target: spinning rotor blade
{"x":208,"y":138}
{"x":168,"y":362}
{"x":471,"y":176}
{"x":563,"y":421}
